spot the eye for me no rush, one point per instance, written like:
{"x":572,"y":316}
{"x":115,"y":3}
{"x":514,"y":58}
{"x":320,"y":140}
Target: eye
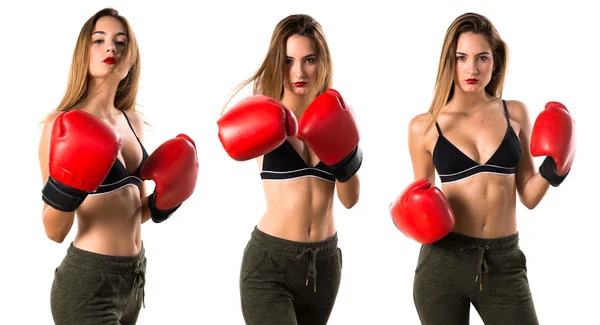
{"x":310,"y":60}
{"x":288,"y":61}
{"x":460,"y":57}
{"x":122,"y":44}
{"x":98,"y":41}
{"x":483,"y":58}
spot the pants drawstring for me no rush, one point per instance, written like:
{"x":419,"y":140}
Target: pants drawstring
{"x":312,"y":265}
{"x":140,"y":281}
{"x":482,"y":266}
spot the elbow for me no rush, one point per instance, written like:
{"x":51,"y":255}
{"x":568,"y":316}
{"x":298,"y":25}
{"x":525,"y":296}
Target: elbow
{"x":529,"y":204}
{"x":55,"y":236}
{"x":349,"y":203}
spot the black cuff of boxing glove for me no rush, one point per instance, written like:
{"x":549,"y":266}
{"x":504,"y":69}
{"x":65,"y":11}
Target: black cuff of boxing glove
{"x":62,"y":197}
{"x":548,"y":172}
{"x":347,"y":167}
{"x":157,"y":214}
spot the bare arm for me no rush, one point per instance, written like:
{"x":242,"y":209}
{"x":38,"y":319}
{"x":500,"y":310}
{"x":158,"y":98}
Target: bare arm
{"x":57,"y":224}
{"x":422,"y":161}
{"x":349,"y":192}
{"x":138,"y":125}
{"x":531,"y":186}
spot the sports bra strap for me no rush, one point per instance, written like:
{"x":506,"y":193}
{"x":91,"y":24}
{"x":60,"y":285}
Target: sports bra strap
{"x":131,"y":127}
{"x":506,"y":112}
{"x":438,"y":128}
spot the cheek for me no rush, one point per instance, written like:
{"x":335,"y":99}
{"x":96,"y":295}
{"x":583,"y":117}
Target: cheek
{"x":458,"y":69}
{"x":311,"y":70}
{"x":287,"y":76}
{"x":95,"y":54}
{"x":489,"y":66}
{"x":288,"y":73}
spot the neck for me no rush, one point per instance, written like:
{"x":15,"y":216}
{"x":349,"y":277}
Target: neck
{"x":101,"y":102}
{"x":296,"y":104}
{"x":468,"y":102}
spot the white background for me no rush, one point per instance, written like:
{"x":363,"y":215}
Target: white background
{"x":385,"y":64}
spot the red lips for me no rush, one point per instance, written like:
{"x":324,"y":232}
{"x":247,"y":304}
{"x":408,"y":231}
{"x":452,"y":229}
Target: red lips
{"x":300,"y":84}
{"x":110,"y":60}
{"x":472,"y":81}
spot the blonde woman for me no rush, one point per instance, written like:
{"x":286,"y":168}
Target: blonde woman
{"x":93,"y":165}
{"x":479,"y":144}
{"x":305,"y":142}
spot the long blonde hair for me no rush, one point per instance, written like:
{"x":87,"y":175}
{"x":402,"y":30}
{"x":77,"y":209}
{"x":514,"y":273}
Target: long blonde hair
{"x":77,"y":88}
{"x":444,"y":84}
{"x":268,"y":79}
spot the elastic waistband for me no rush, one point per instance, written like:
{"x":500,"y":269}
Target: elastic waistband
{"x":94,"y":262}
{"x":458,"y":242}
{"x":284,"y":246}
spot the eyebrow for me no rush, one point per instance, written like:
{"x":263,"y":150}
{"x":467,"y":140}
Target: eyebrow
{"x":461,"y":53}
{"x":104,"y":33}
{"x":306,"y":56}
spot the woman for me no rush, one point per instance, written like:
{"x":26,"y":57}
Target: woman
{"x":291,"y":268}
{"x":96,"y":172}
{"x":479,"y":144}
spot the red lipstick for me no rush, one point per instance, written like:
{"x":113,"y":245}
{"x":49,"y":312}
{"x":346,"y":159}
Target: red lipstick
{"x":472,"y":81}
{"x":110,"y":60}
{"x":300,"y":84}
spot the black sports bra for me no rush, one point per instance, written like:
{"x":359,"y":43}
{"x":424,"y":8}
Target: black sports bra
{"x":285,"y":163}
{"x":453,"y":165}
{"x":118,"y":176}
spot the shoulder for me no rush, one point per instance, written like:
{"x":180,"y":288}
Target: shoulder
{"x":48,"y":122}
{"x":517,"y":110}
{"x":47,"y":125}
{"x":419,"y":124}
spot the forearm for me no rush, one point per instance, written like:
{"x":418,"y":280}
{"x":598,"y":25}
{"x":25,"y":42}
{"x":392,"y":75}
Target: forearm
{"x":145,"y":210}
{"x":57,"y":224}
{"x":349,"y":191}
{"x":534,"y":190}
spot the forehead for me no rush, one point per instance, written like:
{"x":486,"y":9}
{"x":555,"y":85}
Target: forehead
{"x":471,"y":42}
{"x":109,"y":24}
{"x":297,"y":45}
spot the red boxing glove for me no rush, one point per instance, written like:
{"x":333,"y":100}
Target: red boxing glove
{"x":255,"y":126}
{"x":329,"y":128}
{"x":553,"y":135}
{"x":174,"y":169}
{"x":423,"y":213}
{"x":81,"y":152}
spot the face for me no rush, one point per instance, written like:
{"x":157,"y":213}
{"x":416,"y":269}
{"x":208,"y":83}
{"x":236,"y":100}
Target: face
{"x":474,"y":62}
{"x":109,"y":41}
{"x":300,"y":66}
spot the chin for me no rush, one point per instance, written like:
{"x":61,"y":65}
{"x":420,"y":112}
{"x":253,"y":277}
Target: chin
{"x":301,"y":92}
{"x":471,"y":89}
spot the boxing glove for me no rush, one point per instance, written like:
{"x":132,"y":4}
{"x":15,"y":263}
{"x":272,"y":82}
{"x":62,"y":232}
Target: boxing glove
{"x":328,"y":127}
{"x":255,"y":126}
{"x":553,"y":135}
{"x":423,"y":213}
{"x":81,"y":152}
{"x":173,"y":167}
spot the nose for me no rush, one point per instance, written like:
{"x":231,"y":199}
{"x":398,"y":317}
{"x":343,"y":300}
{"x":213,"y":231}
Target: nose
{"x":111,"y":48}
{"x":298,"y":70}
{"x":473,"y":67}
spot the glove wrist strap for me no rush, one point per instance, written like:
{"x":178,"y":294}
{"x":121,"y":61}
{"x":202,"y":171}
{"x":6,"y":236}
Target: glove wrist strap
{"x":62,"y":197}
{"x":548,"y":172}
{"x":157,"y":214}
{"x":347,"y":167}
